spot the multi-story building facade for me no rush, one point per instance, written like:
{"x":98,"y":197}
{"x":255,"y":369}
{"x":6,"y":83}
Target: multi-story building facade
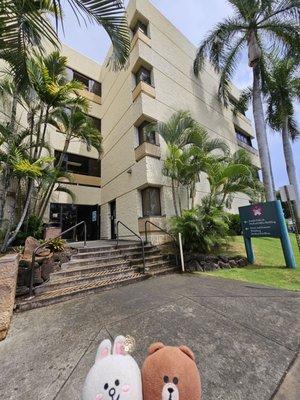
{"x":158,"y":81}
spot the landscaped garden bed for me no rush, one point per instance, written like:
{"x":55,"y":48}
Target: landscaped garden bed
{"x":269,"y":264}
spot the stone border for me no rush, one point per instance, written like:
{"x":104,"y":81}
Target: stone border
{"x":8,"y":282}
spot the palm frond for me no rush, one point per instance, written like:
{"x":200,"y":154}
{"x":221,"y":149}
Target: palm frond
{"x":111,"y":15}
{"x":66,"y":190}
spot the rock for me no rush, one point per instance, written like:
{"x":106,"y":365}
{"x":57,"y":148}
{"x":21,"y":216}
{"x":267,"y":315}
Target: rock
{"x":232,"y":263}
{"x":242,"y":262}
{"x":227,"y":265}
{"x":223,"y":265}
{"x":48,"y":266}
{"x":37,"y":278}
{"x":211,"y":266}
{"x":30,"y":245}
{"x":22,"y":290}
{"x":192,"y":266}
{"x":224,"y":258}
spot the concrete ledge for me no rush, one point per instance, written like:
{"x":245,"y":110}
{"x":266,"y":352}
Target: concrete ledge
{"x":140,"y":36}
{"x":143,"y":87}
{"x":8,"y":282}
{"x":90,"y":96}
{"x":147,"y":149}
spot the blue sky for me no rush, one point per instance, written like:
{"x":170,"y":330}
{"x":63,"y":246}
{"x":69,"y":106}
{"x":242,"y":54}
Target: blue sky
{"x":193,"y":18}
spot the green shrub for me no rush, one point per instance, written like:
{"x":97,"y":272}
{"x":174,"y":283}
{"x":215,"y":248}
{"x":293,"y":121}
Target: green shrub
{"x":33,"y":227}
{"x":56,"y":245}
{"x":202,"y":231}
{"x":235,"y":227}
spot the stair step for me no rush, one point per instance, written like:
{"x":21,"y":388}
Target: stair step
{"x":65,"y":281}
{"x":110,"y":248}
{"x":114,"y":253}
{"x":152,"y":259}
{"x":70,"y":292}
{"x":75,"y":269}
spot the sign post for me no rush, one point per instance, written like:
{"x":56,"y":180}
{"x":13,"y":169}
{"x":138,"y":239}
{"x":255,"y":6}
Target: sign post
{"x":266,"y":220}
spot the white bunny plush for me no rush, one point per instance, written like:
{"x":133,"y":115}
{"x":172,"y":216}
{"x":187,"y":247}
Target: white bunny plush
{"x":114,"y":376}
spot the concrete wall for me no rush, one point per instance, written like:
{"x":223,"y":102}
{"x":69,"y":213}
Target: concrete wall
{"x":171,"y":57}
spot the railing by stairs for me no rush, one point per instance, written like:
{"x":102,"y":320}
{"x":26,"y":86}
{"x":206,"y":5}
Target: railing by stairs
{"x":45,"y":244}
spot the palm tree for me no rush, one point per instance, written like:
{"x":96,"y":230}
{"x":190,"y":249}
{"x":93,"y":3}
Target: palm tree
{"x":282,"y":90}
{"x":171,"y":170}
{"x":177,"y":130}
{"x":234,"y":174}
{"x":24,"y":24}
{"x":47,"y":76}
{"x":74,"y":124}
{"x":17,"y":167}
{"x":254,"y":25}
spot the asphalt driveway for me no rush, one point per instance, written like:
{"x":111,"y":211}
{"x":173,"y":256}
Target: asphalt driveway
{"x":245,"y":337}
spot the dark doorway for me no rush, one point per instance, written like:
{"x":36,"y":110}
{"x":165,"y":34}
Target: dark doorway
{"x":68,"y":215}
{"x":113,"y":215}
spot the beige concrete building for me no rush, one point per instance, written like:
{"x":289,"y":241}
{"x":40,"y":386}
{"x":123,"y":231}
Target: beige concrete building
{"x":158,"y":82}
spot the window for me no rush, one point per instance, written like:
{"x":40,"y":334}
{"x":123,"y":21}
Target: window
{"x":242,"y":137}
{"x":144,"y":136}
{"x":142,"y":27}
{"x":234,"y":104}
{"x":96,"y":122}
{"x":81,"y":78}
{"x":90,"y":84}
{"x":151,"y":201}
{"x":95,"y":87}
{"x":79,"y":164}
{"x":143,"y":75}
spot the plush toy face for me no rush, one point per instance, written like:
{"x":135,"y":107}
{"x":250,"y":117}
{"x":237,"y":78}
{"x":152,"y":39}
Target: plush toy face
{"x":114,"y":376}
{"x":170,"y":373}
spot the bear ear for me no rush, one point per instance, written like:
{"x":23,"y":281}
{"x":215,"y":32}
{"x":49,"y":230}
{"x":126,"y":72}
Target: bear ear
{"x":186,"y":350}
{"x":119,"y":346}
{"x":155,"y":347}
{"x":104,"y":349}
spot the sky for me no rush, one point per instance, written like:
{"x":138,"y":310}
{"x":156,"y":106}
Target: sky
{"x":194,"y":18}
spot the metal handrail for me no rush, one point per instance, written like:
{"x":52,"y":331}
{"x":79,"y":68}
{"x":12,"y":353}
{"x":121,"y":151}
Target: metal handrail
{"x":163,"y":230}
{"x":135,"y":234}
{"x":45,"y":245}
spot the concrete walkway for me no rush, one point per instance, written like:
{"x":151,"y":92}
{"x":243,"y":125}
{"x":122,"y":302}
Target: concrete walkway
{"x":244,"y":337}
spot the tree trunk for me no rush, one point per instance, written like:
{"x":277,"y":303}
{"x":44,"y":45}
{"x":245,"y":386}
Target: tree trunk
{"x":179,"y":200}
{"x":44,"y":132}
{"x":174,"y":197}
{"x":49,"y":191}
{"x":12,"y":237}
{"x":13,"y":116}
{"x":261,"y":134}
{"x":290,"y":165}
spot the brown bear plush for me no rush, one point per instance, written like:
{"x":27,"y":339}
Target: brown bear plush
{"x":170,"y":373}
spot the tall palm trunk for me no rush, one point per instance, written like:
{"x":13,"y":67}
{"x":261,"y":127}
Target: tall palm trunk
{"x":51,"y":186}
{"x":261,"y":134}
{"x":290,"y":165}
{"x":174,"y":197}
{"x":12,"y":237}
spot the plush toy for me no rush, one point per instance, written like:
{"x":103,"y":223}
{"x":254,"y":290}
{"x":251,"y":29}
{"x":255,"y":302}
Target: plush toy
{"x":114,"y":376}
{"x":170,"y":373}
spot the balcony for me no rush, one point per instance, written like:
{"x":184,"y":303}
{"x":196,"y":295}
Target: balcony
{"x":90,"y":96}
{"x":247,"y":147}
{"x":143,"y":87}
{"x":139,"y":35}
{"x":147,"y":149}
{"x":86,"y":180}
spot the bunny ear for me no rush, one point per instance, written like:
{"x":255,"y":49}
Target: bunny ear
{"x":119,"y":346}
{"x":104,"y":349}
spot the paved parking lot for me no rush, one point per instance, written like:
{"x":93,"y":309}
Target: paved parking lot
{"x":245,"y":337}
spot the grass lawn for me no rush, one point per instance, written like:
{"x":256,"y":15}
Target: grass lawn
{"x":269,"y":268}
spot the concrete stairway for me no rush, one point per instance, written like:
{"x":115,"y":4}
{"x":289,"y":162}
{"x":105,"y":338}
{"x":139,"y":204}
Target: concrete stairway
{"x":93,"y":269}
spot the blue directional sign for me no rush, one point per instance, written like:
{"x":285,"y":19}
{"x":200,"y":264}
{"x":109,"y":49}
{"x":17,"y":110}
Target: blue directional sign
{"x":266,"y":220}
